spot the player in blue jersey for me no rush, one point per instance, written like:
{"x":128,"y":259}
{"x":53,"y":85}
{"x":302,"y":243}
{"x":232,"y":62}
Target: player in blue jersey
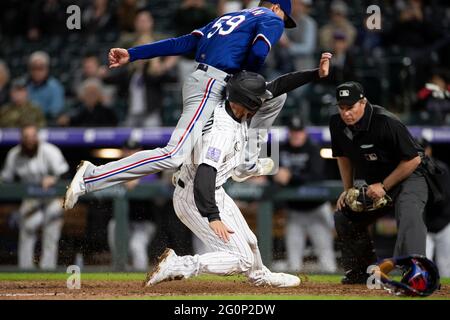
{"x":230,"y":43}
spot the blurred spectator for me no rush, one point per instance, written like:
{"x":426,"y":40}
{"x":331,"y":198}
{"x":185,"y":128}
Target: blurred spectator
{"x":144,"y":79}
{"x":43,"y":89}
{"x":12,"y":17}
{"x":146,"y":91}
{"x":98,"y":18}
{"x":4,"y":83}
{"x":342,"y":66}
{"x":126,"y":15}
{"x":192,"y":14}
{"x":433,"y":102}
{"x":414,"y":33}
{"x":142,"y":225}
{"x":40,"y":164}
{"x":437,"y":219}
{"x":20,"y":110}
{"x":91,"y":111}
{"x":301,"y":41}
{"x":144,"y":31}
{"x":90,"y":68}
{"x":339,"y":22}
{"x":47,"y":17}
{"x":300,"y":162}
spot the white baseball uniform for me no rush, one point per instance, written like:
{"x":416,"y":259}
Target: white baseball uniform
{"x":221,"y":147}
{"x":438,"y":245}
{"x":37,"y":212}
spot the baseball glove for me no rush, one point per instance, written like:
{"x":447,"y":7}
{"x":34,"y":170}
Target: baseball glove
{"x":357,"y":200}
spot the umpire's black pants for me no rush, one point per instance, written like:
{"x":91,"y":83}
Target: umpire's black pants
{"x":409,"y":206}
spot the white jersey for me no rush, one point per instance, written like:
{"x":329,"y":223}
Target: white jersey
{"x":48,"y":161}
{"x":222,"y":147}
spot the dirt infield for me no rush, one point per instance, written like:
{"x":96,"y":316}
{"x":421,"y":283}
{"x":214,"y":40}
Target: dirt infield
{"x":56,"y":289}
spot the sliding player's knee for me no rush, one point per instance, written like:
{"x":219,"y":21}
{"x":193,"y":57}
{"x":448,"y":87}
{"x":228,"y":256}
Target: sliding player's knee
{"x":246,"y":261}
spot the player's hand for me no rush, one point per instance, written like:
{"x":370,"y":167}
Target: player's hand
{"x":341,"y":201}
{"x":221,"y":230}
{"x":118,"y":57}
{"x":48,"y":182}
{"x":324,"y":64}
{"x":376,"y":191}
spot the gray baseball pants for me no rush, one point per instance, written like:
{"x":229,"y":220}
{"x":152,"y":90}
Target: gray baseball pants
{"x":202,"y":92}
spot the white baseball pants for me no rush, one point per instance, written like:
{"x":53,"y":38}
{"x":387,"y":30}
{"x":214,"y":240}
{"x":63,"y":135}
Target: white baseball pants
{"x":438,"y":246}
{"x":238,"y":256}
{"x":35,"y":214}
{"x":317,"y":224}
{"x":141,"y":233}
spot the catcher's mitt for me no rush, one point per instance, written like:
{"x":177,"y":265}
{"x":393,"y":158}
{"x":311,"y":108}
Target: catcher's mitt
{"x":357,"y":200}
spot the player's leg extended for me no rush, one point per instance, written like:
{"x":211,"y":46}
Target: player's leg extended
{"x":201,"y":94}
{"x":258,"y":275}
{"x":229,"y":258}
{"x":259,"y":128}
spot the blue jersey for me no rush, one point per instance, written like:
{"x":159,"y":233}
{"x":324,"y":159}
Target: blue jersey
{"x":225,"y":42}
{"x":233,"y":42}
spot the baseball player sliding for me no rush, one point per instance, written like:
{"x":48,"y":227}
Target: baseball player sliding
{"x":233,"y":42}
{"x":201,"y":203}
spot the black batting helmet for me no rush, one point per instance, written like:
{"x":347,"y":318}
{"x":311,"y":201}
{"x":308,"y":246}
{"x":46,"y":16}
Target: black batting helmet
{"x":248,"y":89}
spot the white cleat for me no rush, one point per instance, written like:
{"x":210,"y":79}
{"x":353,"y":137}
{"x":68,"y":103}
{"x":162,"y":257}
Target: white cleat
{"x":264,"y":167}
{"x":162,"y":270}
{"x":283,"y":280}
{"x":266,"y":278}
{"x":76,"y":187}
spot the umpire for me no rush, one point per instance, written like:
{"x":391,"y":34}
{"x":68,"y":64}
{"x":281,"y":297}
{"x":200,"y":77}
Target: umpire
{"x":373,"y":145}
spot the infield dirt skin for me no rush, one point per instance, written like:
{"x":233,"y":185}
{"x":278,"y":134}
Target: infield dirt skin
{"x":94,"y":289}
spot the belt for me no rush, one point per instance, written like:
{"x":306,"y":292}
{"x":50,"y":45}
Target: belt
{"x":214,"y":72}
{"x":182,"y":184}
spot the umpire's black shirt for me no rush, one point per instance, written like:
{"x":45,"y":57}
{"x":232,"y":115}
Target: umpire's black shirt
{"x":375,"y":144}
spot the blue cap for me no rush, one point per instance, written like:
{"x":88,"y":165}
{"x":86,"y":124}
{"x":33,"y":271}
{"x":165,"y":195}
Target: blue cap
{"x":286,"y":6}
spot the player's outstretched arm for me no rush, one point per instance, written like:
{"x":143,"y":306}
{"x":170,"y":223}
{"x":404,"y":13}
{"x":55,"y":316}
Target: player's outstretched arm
{"x":294,"y":80}
{"x":169,"y":47}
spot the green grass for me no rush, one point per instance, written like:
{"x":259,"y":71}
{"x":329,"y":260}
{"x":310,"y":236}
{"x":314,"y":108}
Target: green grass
{"x":113,"y":276}
{"x":140,"y":276}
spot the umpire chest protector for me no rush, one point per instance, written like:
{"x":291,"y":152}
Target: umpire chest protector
{"x":375,"y":145}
